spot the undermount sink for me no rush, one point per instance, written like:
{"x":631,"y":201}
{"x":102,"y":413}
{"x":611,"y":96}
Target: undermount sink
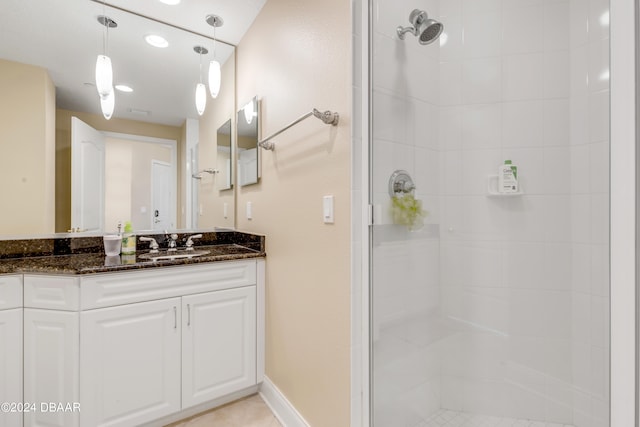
{"x":166,"y":255}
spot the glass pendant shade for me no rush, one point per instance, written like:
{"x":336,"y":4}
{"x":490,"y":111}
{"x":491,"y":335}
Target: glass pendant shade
{"x":249,"y":112}
{"x":104,"y":76}
{"x":215,"y":78}
{"x":108,"y":104}
{"x":201,"y":98}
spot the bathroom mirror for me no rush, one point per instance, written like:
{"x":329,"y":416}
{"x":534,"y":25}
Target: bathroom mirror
{"x":248,"y":151}
{"x":161,"y":105}
{"x":223,"y":142}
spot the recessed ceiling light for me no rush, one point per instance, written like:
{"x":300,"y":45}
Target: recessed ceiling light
{"x":156,"y":41}
{"x":124,"y":88}
{"x":138,"y":112}
{"x":170,"y":2}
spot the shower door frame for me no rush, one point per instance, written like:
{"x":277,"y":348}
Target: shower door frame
{"x":624,"y":219}
{"x":623,"y":397}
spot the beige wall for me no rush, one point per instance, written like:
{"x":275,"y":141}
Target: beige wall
{"x":182,"y":160}
{"x":218,"y":111}
{"x":27,"y":149}
{"x":296,"y":56}
{"x":63,"y":153}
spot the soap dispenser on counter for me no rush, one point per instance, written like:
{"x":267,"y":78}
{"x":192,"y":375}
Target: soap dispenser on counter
{"x":128,"y":240}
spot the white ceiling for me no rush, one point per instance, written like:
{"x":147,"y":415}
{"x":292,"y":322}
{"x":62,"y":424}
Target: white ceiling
{"x":64,"y":37}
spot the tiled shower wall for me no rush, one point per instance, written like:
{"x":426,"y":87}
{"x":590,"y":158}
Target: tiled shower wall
{"x":526,"y":81}
{"x":500,"y":304}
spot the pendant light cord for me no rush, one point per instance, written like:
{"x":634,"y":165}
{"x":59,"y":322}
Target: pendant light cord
{"x":105,"y":33}
{"x":214,"y":42}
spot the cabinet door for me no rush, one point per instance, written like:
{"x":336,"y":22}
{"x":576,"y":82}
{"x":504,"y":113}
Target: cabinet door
{"x":11,"y":364}
{"x":130,"y":363}
{"x":51,"y":348}
{"x":219,"y":344}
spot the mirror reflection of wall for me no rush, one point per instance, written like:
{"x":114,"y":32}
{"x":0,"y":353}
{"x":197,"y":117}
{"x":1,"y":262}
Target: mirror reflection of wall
{"x":192,"y":187}
{"x":225,"y":159}
{"x":248,"y":151}
{"x":27,"y":149}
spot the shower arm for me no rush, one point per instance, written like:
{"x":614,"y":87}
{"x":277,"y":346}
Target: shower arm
{"x":404,"y":30}
{"x":327,"y":117}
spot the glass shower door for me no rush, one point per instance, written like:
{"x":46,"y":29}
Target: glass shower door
{"x":492,"y":308}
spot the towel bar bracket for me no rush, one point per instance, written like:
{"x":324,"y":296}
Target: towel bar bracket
{"x":198,"y":175}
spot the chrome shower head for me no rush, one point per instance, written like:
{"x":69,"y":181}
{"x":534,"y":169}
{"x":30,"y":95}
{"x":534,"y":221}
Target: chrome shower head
{"x":427,"y":30}
{"x":431,"y":30}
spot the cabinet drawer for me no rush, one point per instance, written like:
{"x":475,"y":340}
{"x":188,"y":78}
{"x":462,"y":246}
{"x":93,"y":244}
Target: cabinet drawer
{"x":107,"y":290}
{"x":52,"y":292}
{"x":10,"y":292}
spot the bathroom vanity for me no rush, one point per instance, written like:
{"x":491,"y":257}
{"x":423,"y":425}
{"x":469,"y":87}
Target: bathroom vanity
{"x":140,"y":343}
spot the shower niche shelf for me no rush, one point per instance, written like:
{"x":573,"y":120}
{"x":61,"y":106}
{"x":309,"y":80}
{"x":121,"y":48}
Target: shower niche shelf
{"x":492,"y":188}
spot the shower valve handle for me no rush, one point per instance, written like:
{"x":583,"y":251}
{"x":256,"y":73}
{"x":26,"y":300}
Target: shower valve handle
{"x":404,"y":187}
{"x":400,"y":182}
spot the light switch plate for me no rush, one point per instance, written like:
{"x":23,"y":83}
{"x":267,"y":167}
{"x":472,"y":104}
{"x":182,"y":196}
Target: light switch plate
{"x":327,"y":209}
{"x":249,"y":211}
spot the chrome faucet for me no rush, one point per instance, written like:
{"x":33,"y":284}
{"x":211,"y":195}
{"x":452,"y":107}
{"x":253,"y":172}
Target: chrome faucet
{"x":172,"y":243}
{"x":189,"y":244}
{"x":153,"y":245}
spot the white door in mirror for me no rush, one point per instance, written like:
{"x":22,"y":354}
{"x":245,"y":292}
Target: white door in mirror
{"x":161,"y":193}
{"x":87,"y":177}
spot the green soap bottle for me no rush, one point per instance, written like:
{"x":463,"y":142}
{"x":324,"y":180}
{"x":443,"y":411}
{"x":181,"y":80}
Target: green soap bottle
{"x":128,"y":240}
{"x":508,"y":177}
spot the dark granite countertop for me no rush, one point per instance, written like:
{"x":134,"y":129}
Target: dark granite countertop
{"x":99,"y":263}
{"x":85,"y":255}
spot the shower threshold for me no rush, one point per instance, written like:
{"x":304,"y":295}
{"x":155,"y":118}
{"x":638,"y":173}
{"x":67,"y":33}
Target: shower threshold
{"x":449,"y":418}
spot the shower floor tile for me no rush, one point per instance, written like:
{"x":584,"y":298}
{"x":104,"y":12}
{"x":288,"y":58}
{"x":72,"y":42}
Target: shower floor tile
{"x":448,"y":418}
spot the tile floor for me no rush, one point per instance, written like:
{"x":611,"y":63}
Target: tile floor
{"x":253,"y":412}
{"x":447,"y":418}
{"x":248,"y":412}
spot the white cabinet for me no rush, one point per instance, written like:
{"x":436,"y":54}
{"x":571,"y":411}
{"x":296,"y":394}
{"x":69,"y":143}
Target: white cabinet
{"x":130,"y":364}
{"x":11,"y":364}
{"x":11,"y":345}
{"x":134,"y":347}
{"x":218,"y":344}
{"x":51,"y":356}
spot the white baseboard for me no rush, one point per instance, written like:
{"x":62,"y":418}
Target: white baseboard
{"x":280,"y":406}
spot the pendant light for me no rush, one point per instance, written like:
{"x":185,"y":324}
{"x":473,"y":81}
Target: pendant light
{"x":104,"y":76}
{"x":104,"y":69}
{"x":215,"y":78}
{"x":201,"y":98}
{"x":215,"y":75}
{"x":108,"y":105}
{"x":201,"y":90}
{"x":249,"y":112}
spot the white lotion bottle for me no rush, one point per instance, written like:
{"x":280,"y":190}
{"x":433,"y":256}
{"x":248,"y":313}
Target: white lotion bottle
{"x":508,"y":178}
